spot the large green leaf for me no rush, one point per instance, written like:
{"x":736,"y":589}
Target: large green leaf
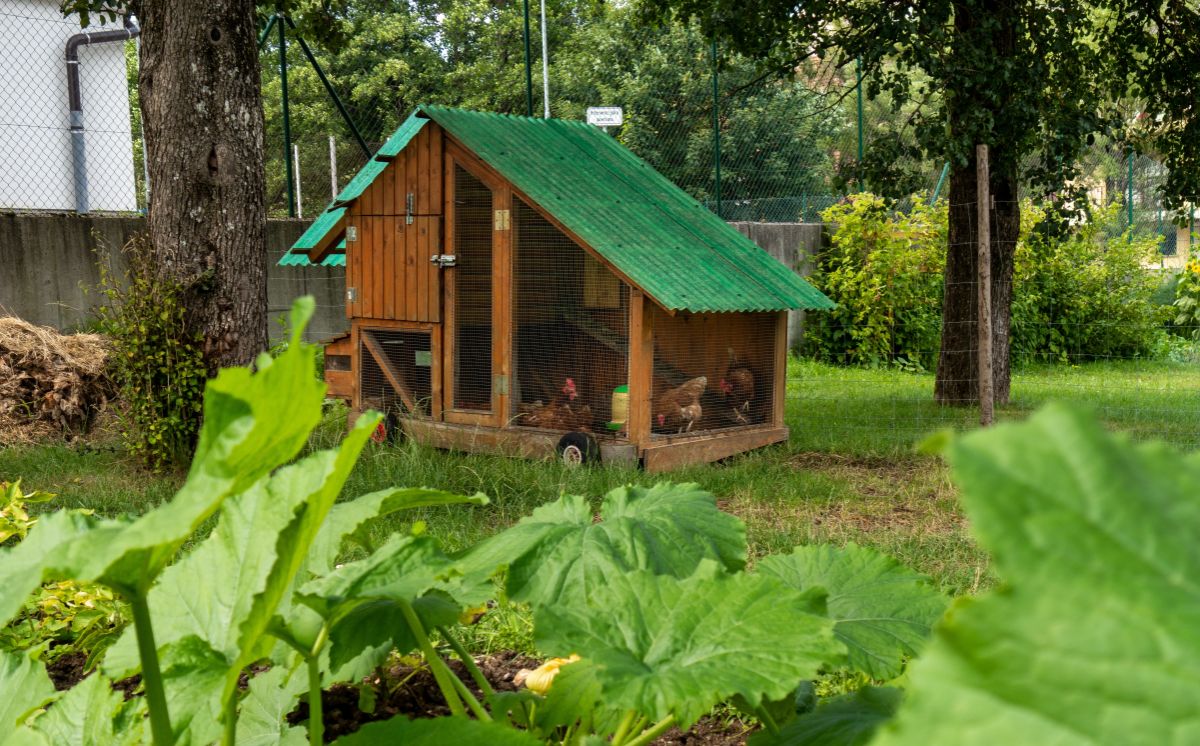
{"x":270,"y":697}
{"x":90,"y":714}
{"x":560,"y":551}
{"x":664,"y":645}
{"x":848,"y":720}
{"x":348,"y":519}
{"x":883,"y":611}
{"x":1095,"y":636}
{"x":253,"y":423}
{"x":193,"y":678}
{"x":26,"y":687}
{"x":437,"y":732}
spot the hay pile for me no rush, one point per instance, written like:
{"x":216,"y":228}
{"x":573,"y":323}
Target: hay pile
{"x":50,"y":383}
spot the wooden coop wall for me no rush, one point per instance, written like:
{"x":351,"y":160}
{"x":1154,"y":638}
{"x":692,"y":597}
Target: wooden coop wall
{"x":713,"y":371}
{"x":473,"y":279}
{"x":388,"y":264}
{"x":570,"y":331}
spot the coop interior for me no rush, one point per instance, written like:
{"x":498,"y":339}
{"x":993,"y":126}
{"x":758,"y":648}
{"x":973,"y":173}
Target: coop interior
{"x":712,"y":372}
{"x":570,"y":317}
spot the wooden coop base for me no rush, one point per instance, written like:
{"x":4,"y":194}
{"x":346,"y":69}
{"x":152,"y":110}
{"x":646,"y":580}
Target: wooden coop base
{"x":669,"y":454}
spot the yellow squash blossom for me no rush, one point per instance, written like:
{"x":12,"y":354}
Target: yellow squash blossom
{"x":538,"y":680}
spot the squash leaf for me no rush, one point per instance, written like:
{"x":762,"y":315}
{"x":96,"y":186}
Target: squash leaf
{"x":90,"y":714}
{"x":882,"y":610}
{"x":26,"y":687}
{"x":560,"y":551}
{"x":1095,"y":636}
{"x":437,"y":732}
{"x":846,"y":720}
{"x":269,"y":699}
{"x":663,"y":645}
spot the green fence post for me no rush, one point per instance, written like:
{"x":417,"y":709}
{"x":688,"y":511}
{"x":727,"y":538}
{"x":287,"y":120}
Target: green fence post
{"x":262,"y":39}
{"x":287,"y":122}
{"x":716,"y":130}
{"x":937,"y":190}
{"x":337,"y":100}
{"x":858,"y":88}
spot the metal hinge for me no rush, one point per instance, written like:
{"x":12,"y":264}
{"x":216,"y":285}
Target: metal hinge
{"x":443,"y":260}
{"x":503,"y":220}
{"x":500,"y":384}
{"x":351,"y":233}
{"x":351,"y":294}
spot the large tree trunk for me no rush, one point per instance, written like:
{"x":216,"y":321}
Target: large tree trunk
{"x":957,"y":373}
{"x":202,"y":111}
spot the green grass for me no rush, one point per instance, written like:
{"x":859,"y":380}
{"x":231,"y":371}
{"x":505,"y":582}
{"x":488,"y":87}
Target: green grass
{"x":849,"y":472}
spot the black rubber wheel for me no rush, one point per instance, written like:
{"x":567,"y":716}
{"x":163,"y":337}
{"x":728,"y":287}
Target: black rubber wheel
{"x":575,"y":449}
{"x":388,"y":431}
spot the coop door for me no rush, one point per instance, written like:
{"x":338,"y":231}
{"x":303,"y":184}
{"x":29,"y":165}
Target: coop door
{"x":397,"y":372}
{"x":469,"y":303}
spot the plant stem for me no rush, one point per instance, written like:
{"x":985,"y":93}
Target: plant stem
{"x":768,"y":722}
{"x":655,"y":731}
{"x":469,"y":698}
{"x":468,"y":661}
{"x":229,"y":720}
{"x":623,"y":729}
{"x":316,"y":722}
{"x":152,"y":681}
{"x":441,"y":674}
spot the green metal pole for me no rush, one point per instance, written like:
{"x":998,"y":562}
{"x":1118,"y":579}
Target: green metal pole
{"x":1129,"y":196}
{"x":716,"y":129}
{"x":1191,"y":228}
{"x":262,"y":39}
{"x":937,"y":190}
{"x":858,"y":87}
{"x":337,"y":100}
{"x":528,"y":67}
{"x":287,"y":123}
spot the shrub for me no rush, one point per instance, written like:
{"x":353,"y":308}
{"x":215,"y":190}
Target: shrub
{"x":157,"y":361}
{"x":1078,"y":298}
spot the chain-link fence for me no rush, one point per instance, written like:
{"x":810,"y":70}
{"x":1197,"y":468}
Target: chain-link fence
{"x":70,"y":135}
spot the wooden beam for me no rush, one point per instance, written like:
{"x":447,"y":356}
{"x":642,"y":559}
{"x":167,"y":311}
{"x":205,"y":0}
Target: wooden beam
{"x":641,"y":368}
{"x":704,"y":449}
{"x":388,"y":369}
{"x":779,"y":400}
{"x":328,"y":243}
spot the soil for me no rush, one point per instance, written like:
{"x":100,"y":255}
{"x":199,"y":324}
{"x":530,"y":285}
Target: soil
{"x":412,"y":692}
{"x":67,"y":670}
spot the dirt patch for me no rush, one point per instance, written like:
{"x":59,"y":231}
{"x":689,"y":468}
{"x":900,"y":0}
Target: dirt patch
{"x":50,"y":383}
{"x":67,"y":670}
{"x":407,"y":691}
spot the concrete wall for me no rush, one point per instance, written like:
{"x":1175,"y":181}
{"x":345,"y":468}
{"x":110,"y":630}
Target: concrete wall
{"x":47,"y":264}
{"x":794,"y":244}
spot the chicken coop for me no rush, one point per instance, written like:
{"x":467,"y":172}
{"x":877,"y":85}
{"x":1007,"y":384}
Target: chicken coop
{"x":530,"y":287}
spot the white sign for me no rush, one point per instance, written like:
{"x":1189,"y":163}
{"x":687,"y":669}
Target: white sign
{"x":605,"y":116}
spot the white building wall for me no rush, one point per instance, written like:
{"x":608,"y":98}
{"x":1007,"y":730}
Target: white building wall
{"x":35,"y":141}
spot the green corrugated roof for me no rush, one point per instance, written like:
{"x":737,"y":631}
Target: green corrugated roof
{"x":668,"y":244}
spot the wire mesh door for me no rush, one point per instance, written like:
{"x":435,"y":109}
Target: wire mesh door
{"x":469,"y":309}
{"x":396,"y":374}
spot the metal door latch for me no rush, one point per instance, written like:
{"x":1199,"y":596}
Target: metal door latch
{"x":443,"y":260}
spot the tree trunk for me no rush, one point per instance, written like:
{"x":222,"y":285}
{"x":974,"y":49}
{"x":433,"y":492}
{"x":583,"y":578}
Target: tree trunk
{"x":202,"y":109}
{"x":957,"y":374}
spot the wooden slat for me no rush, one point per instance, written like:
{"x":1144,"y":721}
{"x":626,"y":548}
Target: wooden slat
{"x":424,"y":206}
{"x":391,"y":239}
{"x":705,"y":449}
{"x":435,"y":373}
{"x":400,"y":248}
{"x":437,"y":202}
{"x":385,"y":365}
{"x":354,"y":261}
{"x":641,"y":367}
{"x":779,"y":401}
{"x":502,"y":306}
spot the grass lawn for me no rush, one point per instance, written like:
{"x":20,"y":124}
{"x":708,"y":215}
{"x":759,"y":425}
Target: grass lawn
{"x":849,"y":473}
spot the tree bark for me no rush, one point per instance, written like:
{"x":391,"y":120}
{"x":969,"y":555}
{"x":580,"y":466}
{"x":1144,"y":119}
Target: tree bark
{"x":957,"y":381}
{"x":202,"y":110}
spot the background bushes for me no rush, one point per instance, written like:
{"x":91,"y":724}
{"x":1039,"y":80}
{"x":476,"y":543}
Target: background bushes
{"x":1084,"y":297}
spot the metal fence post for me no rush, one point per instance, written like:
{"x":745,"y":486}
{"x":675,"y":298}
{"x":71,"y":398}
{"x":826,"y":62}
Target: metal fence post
{"x":528,"y":67}
{"x":287,"y":123}
{"x":1129,"y":197}
{"x":858,"y":90}
{"x":716,"y":118}
{"x":983,"y":216}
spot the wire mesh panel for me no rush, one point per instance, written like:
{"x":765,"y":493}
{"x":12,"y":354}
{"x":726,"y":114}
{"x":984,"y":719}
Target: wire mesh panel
{"x":712,"y":371}
{"x":396,"y":371}
{"x":570,"y":332}
{"x":472,"y":292}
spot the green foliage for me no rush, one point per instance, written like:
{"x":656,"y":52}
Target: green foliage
{"x":845,"y":720}
{"x":560,"y":551}
{"x":883,"y":611}
{"x":1187,"y":301}
{"x":1093,"y":638}
{"x":15,"y":520}
{"x":157,"y":358}
{"x":1084,"y":296}
{"x":26,"y":687}
{"x":91,"y":714}
{"x":883,"y":269}
{"x":67,"y":617}
{"x":436,"y":733}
